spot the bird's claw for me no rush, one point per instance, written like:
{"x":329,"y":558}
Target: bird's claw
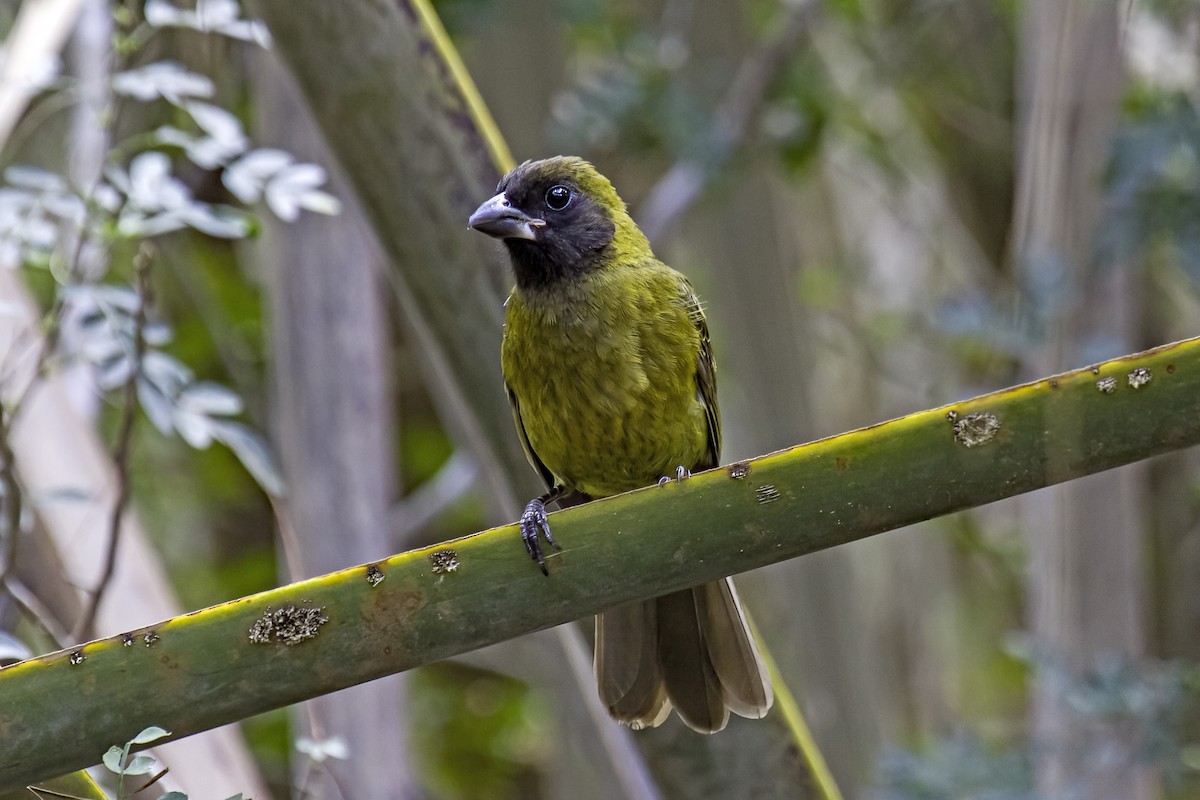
{"x":681,"y":472}
{"x":534,"y":525}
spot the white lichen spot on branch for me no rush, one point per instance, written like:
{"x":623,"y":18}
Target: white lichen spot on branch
{"x":975,"y":429}
{"x":1139,"y":377}
{"x":289,"y":625}
{"x":443,"y":561}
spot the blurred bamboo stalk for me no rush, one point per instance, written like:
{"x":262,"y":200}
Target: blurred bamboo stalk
{"x":335,"y":425}
{"x":1086,"y":538}
{"x":34,"y":43}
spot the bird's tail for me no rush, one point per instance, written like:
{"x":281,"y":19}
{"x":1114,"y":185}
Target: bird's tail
{"x":690,"y":650}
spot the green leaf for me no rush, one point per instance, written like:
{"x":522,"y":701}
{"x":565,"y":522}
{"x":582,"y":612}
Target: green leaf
{"x":151,"y":734}
{"x":139,"y":765}
{"x":113,"y":759}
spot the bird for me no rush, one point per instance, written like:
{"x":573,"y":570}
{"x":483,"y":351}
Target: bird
{"x":609,"y":370}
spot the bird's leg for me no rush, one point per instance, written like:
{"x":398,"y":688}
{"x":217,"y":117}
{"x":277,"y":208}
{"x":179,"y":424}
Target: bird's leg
{"x":535,"y":524}
{"x":681,"y":472}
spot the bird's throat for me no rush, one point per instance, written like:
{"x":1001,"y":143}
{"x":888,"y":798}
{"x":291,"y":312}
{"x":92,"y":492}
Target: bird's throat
{"x":538,"y":268}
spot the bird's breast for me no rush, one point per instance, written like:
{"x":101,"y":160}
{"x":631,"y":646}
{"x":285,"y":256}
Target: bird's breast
{"x":607,"y":390}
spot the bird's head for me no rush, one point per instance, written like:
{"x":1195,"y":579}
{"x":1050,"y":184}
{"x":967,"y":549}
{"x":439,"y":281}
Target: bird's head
{"x":559,"y":218}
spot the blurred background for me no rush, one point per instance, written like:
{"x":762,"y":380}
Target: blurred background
{"x":888,"y":205}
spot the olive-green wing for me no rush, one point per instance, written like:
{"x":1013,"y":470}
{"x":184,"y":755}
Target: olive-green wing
{"x":541,"y":468}
{"x":706,"y":378}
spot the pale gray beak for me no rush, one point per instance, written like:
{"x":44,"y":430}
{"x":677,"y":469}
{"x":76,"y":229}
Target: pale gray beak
{"x":498,"y":218}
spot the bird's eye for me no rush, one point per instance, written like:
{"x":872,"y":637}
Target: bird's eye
{"x":558,"y":198}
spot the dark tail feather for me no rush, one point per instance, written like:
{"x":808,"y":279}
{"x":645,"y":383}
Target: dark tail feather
{"x":627,"y":673}
{"x":687,"y":669}
{"x":734,"y":654}
{"x":691,"y":650}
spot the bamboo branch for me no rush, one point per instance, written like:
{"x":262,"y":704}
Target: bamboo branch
{"x":240,"y":658}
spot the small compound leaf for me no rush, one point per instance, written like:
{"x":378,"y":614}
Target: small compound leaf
{"x":112,"y":759}
{"x":208,"y":398}
{"x":166,"y":79}
{"x":219,"y":124}
{"x":114,"y":372}
{"x":246,"y":177}
{"x":320,"y":202}
{"x":169,"y":374}
{"x":29,"y":177}
{"x":157,"y":406}
{"x":152,"y":187}
{"x":140,"y":765}
{"x":150,"y":734}
{"x":253,"y":452}
{"x":196,"y":429}
{"x":219,"y":221}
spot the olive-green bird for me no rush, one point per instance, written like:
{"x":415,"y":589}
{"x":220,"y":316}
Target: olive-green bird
{"x":610,"y":374}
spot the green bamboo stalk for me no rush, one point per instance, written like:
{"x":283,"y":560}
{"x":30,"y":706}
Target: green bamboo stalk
{"x":201,"y":670}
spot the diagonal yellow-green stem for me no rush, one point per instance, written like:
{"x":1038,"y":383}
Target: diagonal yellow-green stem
{"x":421,"y":150}
{"x":202,"y":670}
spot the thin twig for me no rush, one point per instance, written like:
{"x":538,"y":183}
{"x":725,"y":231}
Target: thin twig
{"x":121,"y":447}
{"x":408,"y":517}
{"x":680,"y":186}
{"x":36,"y":610}
{"x":292,"y":560}
{"x":12,"y":495}
{"x":41,"y":791}
{"x":162,"y":773}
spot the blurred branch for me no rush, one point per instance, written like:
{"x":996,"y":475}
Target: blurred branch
{"x":1071,"y":93}
{"x":320,"y":635}
{"x":11,"y":496}
{"x":680,"y":186}
{"x":37,"y":611}
{"x":36,"y":39}
{"x":453,"y":480}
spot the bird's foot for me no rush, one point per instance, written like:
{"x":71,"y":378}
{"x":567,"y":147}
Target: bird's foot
{"x":681,"y":472}
{"x":534,"y":525}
